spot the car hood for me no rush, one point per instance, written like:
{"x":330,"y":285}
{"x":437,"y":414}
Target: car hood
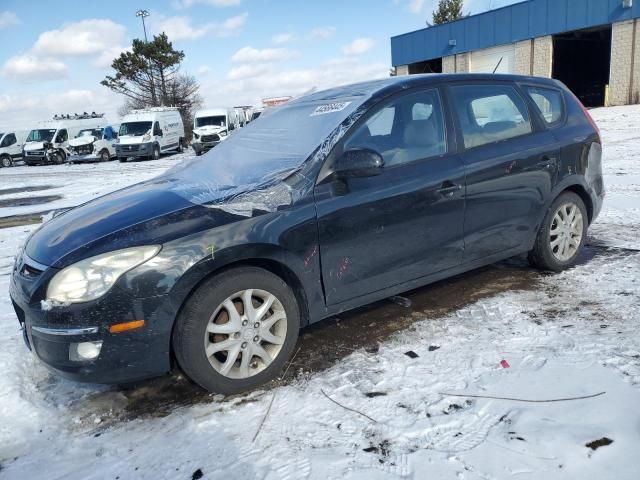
{"x":144,"y":214}
{"x":208,"y":130}
{"x":84,"y":140}
{"x":34,"y":145}
{"x":131,"y":140}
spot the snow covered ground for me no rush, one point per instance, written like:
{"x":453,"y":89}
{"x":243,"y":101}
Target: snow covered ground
{"x":569,"y":335}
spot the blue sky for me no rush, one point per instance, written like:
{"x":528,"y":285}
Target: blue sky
{"x":55,"y":53}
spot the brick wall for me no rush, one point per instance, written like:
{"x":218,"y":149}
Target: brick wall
{"x":624,"y":89}
{"x":523,"y":58}
{"x":543,"y":56}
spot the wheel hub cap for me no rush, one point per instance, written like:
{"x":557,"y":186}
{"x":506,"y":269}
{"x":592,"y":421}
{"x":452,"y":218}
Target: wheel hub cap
{"x":245,"y":333}
{"x":565,"y":234}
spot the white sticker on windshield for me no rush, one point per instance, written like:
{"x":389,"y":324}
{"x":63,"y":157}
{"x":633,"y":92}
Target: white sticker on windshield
{"x":330,"y":108}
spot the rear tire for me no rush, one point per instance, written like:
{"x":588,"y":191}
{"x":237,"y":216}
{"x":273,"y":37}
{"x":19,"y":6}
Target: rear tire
{"x":6,"y":161}
{"x":562,"y":234}
{"x":180,"y":146}
{"x":257,"y":345}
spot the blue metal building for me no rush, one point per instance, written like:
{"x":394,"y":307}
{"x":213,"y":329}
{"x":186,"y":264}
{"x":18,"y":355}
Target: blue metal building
{"x":591,"y":45}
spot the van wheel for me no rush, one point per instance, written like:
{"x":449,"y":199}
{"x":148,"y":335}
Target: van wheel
{"x":156,"y":153}
{"x":6,"y":161}
{"x":180,"y":146}
{"x":237,"y":330}
{"x":104,"y":156}
{"x":57,"y":158}
{"x":562,"y":234}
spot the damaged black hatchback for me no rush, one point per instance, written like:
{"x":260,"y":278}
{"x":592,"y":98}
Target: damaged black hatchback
{"x":332,"y":201}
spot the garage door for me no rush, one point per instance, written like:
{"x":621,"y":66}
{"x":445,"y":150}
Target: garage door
{"x":485,"y":61}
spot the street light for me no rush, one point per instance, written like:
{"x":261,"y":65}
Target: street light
{"x":142,"y":14}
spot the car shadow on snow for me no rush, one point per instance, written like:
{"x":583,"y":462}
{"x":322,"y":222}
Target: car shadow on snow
{"x":324,"y":344}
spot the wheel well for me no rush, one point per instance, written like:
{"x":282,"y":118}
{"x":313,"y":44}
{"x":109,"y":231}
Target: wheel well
{"x":272,"y":266}
{"x":582,"y":193}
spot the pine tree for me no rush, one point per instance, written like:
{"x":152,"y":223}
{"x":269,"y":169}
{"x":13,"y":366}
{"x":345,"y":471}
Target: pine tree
{"x":447,"y":11}
{"x":149,"y":76}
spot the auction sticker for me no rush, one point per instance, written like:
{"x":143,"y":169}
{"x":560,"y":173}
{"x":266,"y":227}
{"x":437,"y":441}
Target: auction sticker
{"x":330,"y":108}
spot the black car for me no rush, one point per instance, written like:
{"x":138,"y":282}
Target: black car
{"x":332,"y":201}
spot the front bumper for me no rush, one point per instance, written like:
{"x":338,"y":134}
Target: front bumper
{"x":124,"y":357}
{"x":135,"y":150}
{"x":90,"y":157}
{"x":38,"y":157}
{"x":200,"y":147}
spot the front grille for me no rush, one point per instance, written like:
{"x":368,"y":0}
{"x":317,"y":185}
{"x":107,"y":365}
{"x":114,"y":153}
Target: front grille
{"x":35,"y":153}
{"x":83,"y":149}
{"x":130,"y":148}
{"x":210,"y":138}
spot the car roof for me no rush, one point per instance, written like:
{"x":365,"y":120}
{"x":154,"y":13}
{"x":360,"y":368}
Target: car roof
{"x":374,"y":88}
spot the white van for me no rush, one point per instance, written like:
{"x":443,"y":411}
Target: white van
{"x":93,"y":145}
{"x":212,"y":126}
{"x":11,"y":143}
{"x":149,"y":132}
{"x":49,"y":143}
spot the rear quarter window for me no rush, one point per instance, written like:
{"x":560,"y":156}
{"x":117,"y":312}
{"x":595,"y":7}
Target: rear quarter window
{"x":549,"y":103}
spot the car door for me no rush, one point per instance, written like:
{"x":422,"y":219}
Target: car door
{"x":511,"y":165}
{"x":13,"y":148}
{"x":379,"y":231}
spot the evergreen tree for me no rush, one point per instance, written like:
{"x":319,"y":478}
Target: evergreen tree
{"x":149,"y":76}
{"x":447,"y":11}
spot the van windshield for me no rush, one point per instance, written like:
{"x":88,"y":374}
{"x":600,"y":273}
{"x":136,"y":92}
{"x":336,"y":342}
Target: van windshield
{"x":135,"y":129}
{"x":94,"y":132}
{"x":41,"y":135}
{"x":213,"y":121}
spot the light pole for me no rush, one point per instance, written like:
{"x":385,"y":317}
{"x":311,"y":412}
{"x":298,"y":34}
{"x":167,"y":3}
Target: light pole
{"x":142,"y":14}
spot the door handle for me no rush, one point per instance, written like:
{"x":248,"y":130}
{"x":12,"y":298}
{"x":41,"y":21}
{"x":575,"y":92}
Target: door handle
{"x":448,"y":188}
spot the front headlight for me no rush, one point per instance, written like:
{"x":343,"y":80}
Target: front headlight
{"x":223,"y":133}
{"x":196,"y":136}
{"x":146,"y":137}
{"x":91,"y":278}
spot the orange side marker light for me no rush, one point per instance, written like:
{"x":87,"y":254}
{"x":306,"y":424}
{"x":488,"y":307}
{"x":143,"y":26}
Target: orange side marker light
{"x":126,"y":326}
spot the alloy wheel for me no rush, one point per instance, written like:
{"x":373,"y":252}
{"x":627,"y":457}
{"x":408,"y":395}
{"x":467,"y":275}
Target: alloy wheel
{"x":245,"y":333}
{"x":565,"y":234}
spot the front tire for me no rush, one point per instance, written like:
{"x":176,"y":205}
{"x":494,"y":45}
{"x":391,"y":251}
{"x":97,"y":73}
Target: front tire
{"x":104,"y":156}
{"x":237,"y":330}
{"x":57,"y":158}
{"x":6,"y":161}
{"x":562,"y":234}
{"x":156,"y":153}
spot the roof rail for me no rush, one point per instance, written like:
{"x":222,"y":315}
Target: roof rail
{"x":154,"y":109}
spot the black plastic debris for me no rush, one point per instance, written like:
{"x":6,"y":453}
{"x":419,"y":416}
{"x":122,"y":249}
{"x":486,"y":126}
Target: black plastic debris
{"x":433,"y":348}
{"x":197,"y":475}
{"x":402,"y":301}
{"x":596,"y":444}
{"x":375,"y":394}
{"x":411,"y":354}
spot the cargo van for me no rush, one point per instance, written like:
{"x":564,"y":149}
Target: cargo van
{"x":212,"y":126}
{"x":149,"y":132}
{"x":49,"y":142}
{"x":11,"y":143}
{"x":93,"y":145}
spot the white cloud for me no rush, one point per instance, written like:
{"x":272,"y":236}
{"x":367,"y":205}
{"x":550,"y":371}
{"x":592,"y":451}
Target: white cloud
{"x":180,"y":28}
{"x":8,"y":19}
{"x":87,"y":37}
{"x":358,"y":47}
{"x":249,"y":71}
{"x":203,"y":70}
{"x":281,"y":38}
{"x":415,"y":6}
{"x":29,"y":67}
{"x":252,"y":55}
{"x":106,"y":58}
{"x":322,"y":33}
{"x":232,"y":26}
{"x":252,"y":83}
{"x":26,"y":109}
{"x":213,"y":3}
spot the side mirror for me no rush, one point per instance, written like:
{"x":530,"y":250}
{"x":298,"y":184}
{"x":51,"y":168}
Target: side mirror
{"x":361,"y":162}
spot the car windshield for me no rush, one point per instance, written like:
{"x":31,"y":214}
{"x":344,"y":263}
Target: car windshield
{"x":215,"y":121}
{"x":135,"y":129}
{"x":267,"y":150}
{"x":94,"y":132}
{"x":41,"y":135}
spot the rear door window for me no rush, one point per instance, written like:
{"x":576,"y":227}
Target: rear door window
{"x":490,"y":113}
{"x":549,"y":103}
